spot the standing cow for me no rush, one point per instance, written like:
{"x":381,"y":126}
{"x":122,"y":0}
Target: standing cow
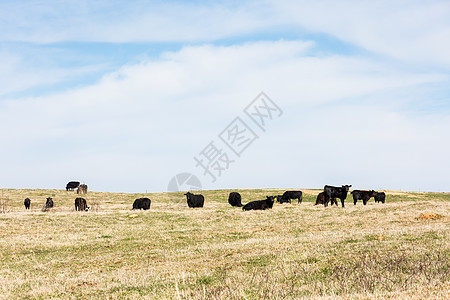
{"x":335,"y":192}
{"x":194,"y":200}
{"x":71,"y":185}
{"x":235,"y":199}
{"x":321,"y":199}
{"x":142,"y":203}
{"x":260,"y":204}
{"x":27,"y":203}
{"x":49,"y":202}
{"x":82,"y":189}
{"x":362,"y":195}
{"x":281,"y":200}
{"x":80,"y":204}
{"x":288,"y":195}
{"x":380,"y":197}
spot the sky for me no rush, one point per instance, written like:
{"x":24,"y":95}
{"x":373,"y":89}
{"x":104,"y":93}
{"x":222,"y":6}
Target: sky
{"x":139,"y":96}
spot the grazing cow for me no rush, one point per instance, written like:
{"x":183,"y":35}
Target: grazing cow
{"x":194,"y":200}
{"x":71,"y":185}
{"x":260,"y":204}
{"x":49,"y":203}
{"x":321,"y":199}
{"x":362,"y":195}
{"x":281,"y":200}
{"x":288,"y":195}
{"x":80,"y":204}
{"x":82,"y":189}
{"x":235,"y":199}
{"x":380,"y":197}
{"x":142,"y":203}
{"x":335,"y":192}
{"x":27,"y":203}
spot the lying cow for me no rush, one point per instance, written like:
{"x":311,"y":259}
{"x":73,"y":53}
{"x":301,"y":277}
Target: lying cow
{"x":80,"y":204}
{"x":260,"y":204}
{"x":235,"y":199}
{"x":71,"y":185}
{"x":335,"y":192}
{"x":380,"y":197}
{"x":27,"y":203}
{"x":362,"y":195}
{"x":142,"y":203}
{"x":288,"y":195}
{"x":49,"y":202}
{"x":321,"y":199}
{"x":194,"y":200}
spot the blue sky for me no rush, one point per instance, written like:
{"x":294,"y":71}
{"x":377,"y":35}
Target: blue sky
{"x":123,"y":95}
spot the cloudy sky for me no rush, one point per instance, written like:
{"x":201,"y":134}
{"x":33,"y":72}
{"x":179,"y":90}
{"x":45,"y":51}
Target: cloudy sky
{"x":125,"y":95}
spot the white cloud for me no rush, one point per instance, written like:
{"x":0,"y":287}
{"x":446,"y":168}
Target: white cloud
{"x":21,"y":71}
{"x":142,"y":124}
{"x":412,"y":31}
{"x":408,"y":31}
{"x":131,"y":21}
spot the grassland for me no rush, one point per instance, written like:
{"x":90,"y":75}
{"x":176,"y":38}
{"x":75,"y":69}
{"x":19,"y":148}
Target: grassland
{"x":220,"y":252}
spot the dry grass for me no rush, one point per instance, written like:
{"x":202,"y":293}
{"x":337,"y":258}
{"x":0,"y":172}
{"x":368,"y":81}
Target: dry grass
{"x":220,"y":252}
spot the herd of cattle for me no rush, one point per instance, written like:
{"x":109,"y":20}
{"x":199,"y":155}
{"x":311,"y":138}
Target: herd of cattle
{"x":330,"y":194}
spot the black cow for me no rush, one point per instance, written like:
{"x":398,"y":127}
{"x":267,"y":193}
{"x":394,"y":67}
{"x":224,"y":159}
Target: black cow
{"x":142,"y":203}
{"x":71,"y":185}
{"x":49,"y":203}
{"x":82,"y":189}
{"x":235,"y":199}
{"x":288,"y":195}
{"x":260,"y":204}
{"x":321,"y":199}
{"x":194,"y":200}
{"x":27,"y":203}
{"x":335,"y":192}
{"x":282,"y":200}
{"x":80,"y":204}
{"x":380,"y":197}
{"x":362,"y":195}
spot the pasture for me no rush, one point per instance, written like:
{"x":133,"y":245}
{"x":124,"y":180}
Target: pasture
{"x":292,"y":251}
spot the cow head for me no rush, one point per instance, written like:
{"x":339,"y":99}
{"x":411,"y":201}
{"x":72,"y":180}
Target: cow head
{"x":346,"y":187}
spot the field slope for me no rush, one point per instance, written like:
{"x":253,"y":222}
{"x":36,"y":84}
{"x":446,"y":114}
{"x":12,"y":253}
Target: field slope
{"x":220,"y":252}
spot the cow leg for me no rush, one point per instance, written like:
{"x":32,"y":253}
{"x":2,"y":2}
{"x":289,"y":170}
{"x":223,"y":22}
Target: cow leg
{"x":342,"y":201}
{"x":365,"y":201}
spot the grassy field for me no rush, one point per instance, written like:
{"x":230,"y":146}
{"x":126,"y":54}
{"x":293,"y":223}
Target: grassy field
{"x":221,"y":252}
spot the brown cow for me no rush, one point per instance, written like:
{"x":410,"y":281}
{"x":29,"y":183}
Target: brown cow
{"x":80,"y":204}
{"x":82,"y":189}
{"x":321,"y":199}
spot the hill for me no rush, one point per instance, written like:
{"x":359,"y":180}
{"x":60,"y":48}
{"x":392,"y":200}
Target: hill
{"x":221,"y":252}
